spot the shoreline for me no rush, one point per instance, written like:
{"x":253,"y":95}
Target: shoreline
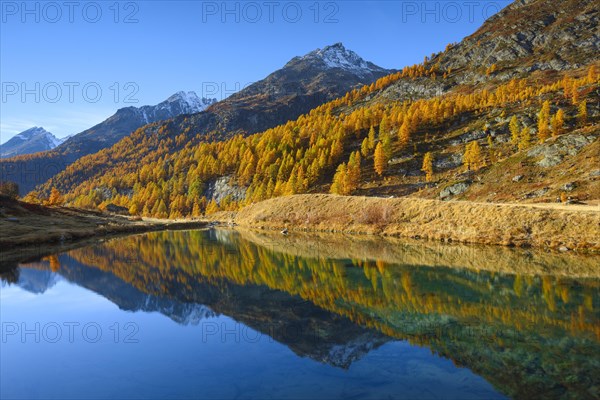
{"x":29,"y":230}
{"x":42,"y":231}
{"x":25,"y":251}
{"x":428,"y":254}
{"x":512,"y":225}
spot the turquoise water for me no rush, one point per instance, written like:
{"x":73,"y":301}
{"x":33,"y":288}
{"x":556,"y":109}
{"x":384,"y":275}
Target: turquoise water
{"x":218,"y":314}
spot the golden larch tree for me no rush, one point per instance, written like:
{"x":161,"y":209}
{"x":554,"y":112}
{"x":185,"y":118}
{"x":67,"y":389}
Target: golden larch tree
{"x":513,"y":127}
{"x":353,"y":172}
{"x":55,"y":198}
{"x":558,"y":122}
{"x":380,"y":159}
{"x":404,"y":133}
{"x":428,"y":166}
{"x":525,"y":140}
{"x":592,"y":74}
{"x":371,"y":138}
{"x":472,"y":156}
{"x":364,"y":147}
{"x":582,"y":114}
{"x":340,"y":184}
{"x":543,"y":121}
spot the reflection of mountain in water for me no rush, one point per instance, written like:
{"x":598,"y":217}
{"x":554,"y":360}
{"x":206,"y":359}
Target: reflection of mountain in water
{"x":36,"y":281}
{"x":530,"y":334}
{"x":306,"y":329}
{"x":36,"y":278}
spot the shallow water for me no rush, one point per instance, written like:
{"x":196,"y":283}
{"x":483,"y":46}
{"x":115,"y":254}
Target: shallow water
{"x":224,"y":314}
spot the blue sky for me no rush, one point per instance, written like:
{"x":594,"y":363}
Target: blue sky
{"x":54,"y":56}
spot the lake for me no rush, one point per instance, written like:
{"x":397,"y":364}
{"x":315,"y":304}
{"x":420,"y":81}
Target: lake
{"x":237,"y":314}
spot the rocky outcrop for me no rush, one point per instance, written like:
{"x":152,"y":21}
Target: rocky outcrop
{"x":223,"y":187}
{"x":553,"y":152}
{"x":453,"y":190}
{"x":539,"y":37}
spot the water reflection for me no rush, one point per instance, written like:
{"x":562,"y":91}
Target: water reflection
{"x":533,"y":334}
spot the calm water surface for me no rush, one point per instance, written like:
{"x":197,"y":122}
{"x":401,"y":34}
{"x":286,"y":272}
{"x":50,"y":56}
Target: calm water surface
{"x":224,"y":314}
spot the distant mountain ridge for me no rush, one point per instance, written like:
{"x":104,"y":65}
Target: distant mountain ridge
{"x":31,"y":170}
{"x":30,"y":141}
{"x":128,"y":119}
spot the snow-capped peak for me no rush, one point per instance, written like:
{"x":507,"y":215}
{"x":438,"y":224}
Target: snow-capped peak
{"x":40,"y":133}
{"x":54,"y":140}
{"x":29,"y":141}
{"x":190,"y":101}
{"x":32,"y":132}
{"x":337,"y":56}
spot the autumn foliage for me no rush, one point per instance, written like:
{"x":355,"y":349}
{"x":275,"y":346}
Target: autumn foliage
{"x":337,"y":146}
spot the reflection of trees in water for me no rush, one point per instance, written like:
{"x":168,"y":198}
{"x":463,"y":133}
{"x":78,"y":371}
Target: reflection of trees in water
{"x":304,"y":328}
{"x":531,"y":335}
{"x":352,"y":287}
{"x":9,"y":273}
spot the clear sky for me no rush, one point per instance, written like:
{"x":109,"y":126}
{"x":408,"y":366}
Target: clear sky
{"x":67,"y":66}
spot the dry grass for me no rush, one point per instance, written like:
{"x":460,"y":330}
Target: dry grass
{"x":577,"y":228}
{"x":24,"y":225}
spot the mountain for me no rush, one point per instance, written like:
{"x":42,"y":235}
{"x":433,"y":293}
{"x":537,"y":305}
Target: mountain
{"x":37,"y":281}
{"x":127,"y":120}
{"x":337,"y":57}
{"x":510,"y":114}
{"x":30,"y":141}
{"x":525,"y":37}
{"x":30,"y":171}
{"x":532,"y":35}
{"x":299,"y":86}
{"x":458,"y":107}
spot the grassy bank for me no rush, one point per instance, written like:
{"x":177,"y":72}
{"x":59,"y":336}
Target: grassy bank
{"x":576,"y":228}
{"x":29,"y":229}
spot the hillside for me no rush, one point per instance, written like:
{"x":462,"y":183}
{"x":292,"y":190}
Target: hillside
{"x":509,"y":114}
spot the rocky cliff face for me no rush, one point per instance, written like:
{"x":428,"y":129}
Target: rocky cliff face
{"x":530,"y":35}
{"x":526,"y":36}
{"x":223,"y":187}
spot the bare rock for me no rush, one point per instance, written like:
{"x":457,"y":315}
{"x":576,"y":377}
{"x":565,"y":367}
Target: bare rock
{"x":454,"y":190}
{"x":223,"y":187}
{"x":448,"y":161}
{"x":552,"y":153}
